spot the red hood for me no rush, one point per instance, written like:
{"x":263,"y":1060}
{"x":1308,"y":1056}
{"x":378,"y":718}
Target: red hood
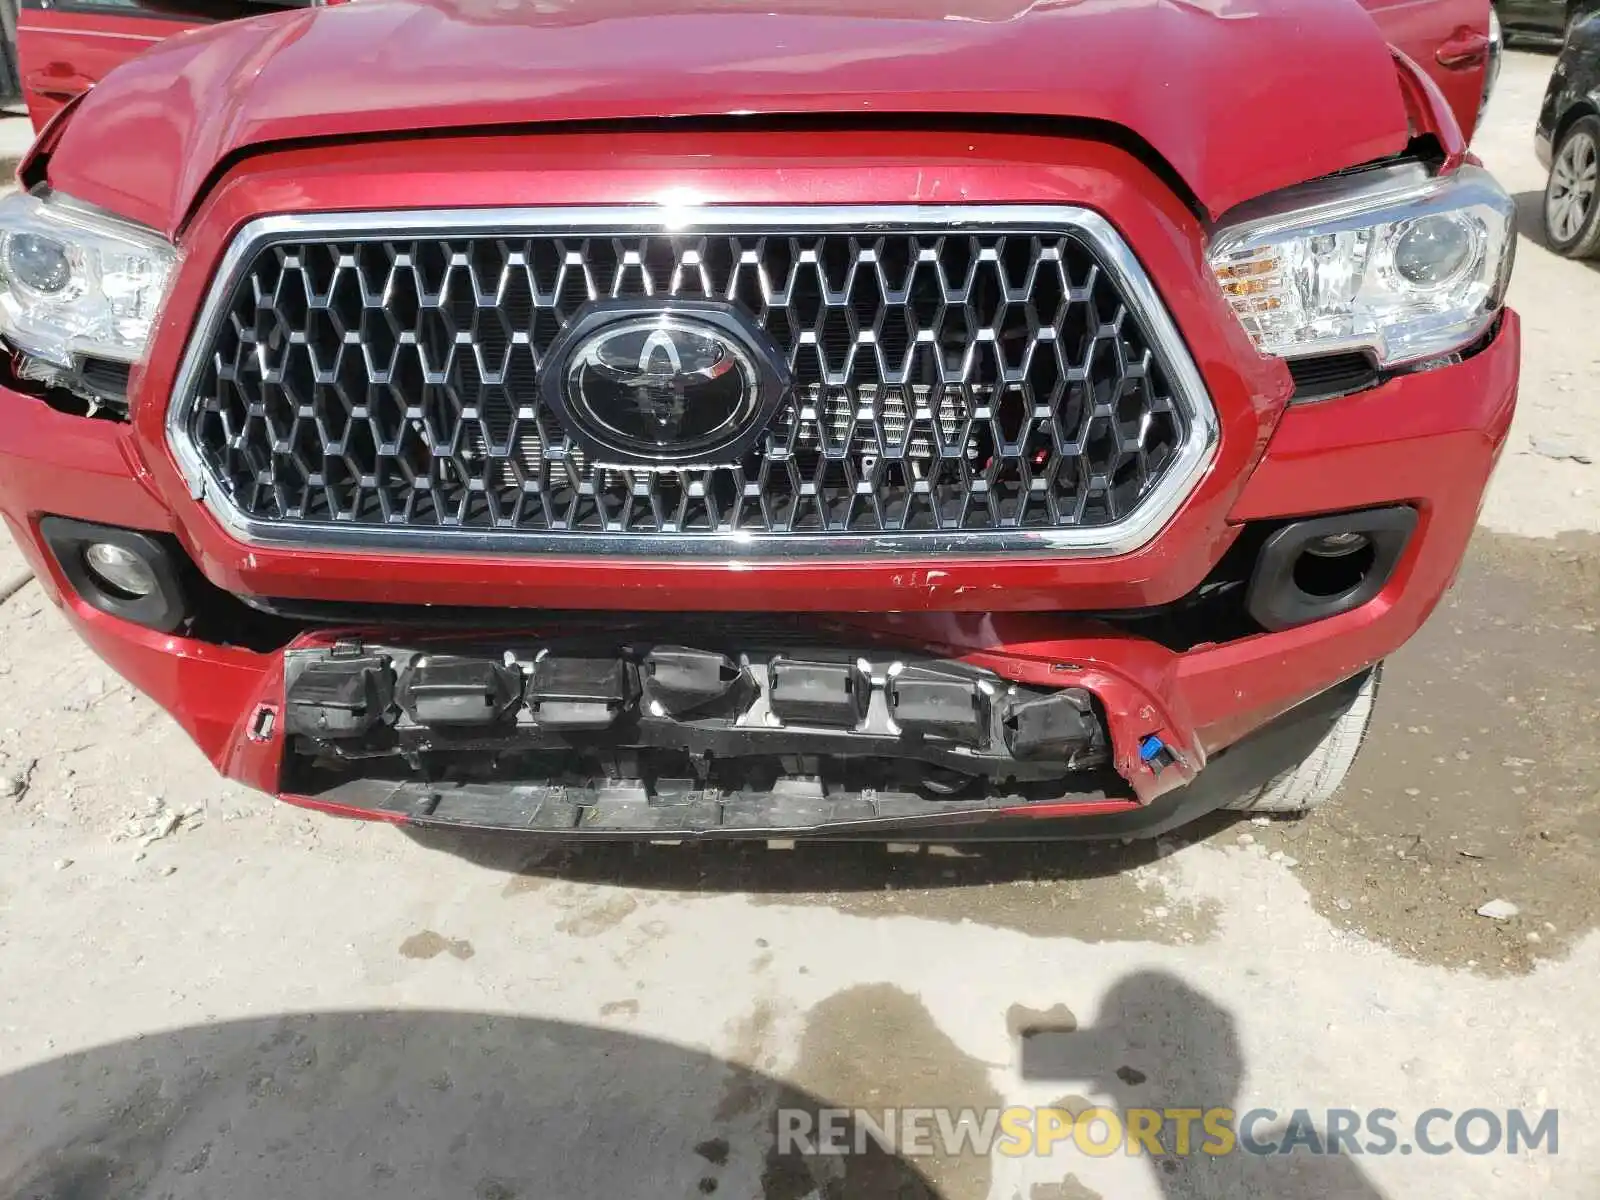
{"x":1308,"y":85}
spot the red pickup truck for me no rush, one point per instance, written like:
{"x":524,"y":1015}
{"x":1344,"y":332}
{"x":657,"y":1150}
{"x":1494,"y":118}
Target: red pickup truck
{"x":686,"y":419}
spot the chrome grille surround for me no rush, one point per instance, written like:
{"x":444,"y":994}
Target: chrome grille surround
{"x":986,"y":422}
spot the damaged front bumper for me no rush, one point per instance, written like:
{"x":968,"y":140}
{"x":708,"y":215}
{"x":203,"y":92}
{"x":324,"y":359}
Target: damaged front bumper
{"x":722,"y":736}
{"x":673,"y":742}
{"x":1165,"y":725}
{"x":468,"y":732}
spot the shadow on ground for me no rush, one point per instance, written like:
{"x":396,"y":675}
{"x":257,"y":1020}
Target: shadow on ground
{"x":818,"y":866}
{"x":1158,"y":1043}
{"x":1530,"y":222}
{"x":472,"y":1105}
{"x":409,"y":1104}
{"x":1530,"y":217}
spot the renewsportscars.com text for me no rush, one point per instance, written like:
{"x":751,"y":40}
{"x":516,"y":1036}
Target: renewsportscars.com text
{"x":1100,"y":1132}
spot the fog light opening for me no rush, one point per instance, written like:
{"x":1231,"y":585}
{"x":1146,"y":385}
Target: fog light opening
{"x":124,"y":573}
{"x":1326,"y":571}
{"x":1322,"y":566}
{"x":119,"y":571}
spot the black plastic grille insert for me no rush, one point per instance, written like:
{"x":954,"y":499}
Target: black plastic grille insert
{"x":942,"y":382}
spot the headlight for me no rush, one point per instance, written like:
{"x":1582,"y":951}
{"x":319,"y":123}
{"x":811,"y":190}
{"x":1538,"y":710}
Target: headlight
{"x":1392,"y":260}
{"x":76,"y":282}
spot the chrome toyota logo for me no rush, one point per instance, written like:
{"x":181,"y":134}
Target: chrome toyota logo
{"x":679,"y":384}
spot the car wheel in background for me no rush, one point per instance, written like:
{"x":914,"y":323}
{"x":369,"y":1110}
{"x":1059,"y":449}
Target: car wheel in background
{"x":1316,"y":779}
{"x":1572,"y":197}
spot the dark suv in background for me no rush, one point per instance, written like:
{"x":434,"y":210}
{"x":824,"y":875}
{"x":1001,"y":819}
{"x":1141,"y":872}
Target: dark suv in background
{"x":1540,"y":21}
{"x":1567,"y":140}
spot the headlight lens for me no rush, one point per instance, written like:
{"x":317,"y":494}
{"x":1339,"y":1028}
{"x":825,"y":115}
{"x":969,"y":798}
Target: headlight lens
{"x":77,"y":282}
{"x":1407,"y":265}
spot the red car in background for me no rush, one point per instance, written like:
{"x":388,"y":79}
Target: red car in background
{"x":65,"y":47}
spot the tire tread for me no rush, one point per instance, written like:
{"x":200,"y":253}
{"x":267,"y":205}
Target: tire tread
{"x":1316,"y":779}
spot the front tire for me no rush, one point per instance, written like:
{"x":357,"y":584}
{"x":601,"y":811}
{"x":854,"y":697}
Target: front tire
{"x":1315,"y":780}
{"x":1572,"y":196}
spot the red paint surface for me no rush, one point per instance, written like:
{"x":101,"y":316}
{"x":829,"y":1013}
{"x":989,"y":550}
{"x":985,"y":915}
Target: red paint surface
{"x":1230,"y":94}
{"x":64,"y":54}
{"x":1247,"y":389}
{"x":1426,"y":31}
{"x":1231,"y":100}
{"x":334,"y":809}
{"x":1430,"y":439}
{"x":1090,"y":808}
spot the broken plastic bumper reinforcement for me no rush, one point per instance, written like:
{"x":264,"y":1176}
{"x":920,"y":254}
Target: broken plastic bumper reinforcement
{"x":683,"y":740}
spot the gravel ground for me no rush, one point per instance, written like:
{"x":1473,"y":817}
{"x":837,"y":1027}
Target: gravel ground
{"x":1542,"y":494}
{"x":203,"y":994}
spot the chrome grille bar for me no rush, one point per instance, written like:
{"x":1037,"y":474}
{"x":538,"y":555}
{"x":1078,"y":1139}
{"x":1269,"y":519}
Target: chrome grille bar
{"x":966,"y":380}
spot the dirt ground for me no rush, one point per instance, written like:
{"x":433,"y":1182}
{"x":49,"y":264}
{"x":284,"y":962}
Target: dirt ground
{"x":203,"y":994}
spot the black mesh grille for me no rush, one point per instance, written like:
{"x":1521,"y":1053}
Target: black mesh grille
{"x":1323,"y":376}
{"x":942,"y":382}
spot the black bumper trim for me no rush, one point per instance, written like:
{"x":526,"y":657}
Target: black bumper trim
{"x":793,"y":813}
